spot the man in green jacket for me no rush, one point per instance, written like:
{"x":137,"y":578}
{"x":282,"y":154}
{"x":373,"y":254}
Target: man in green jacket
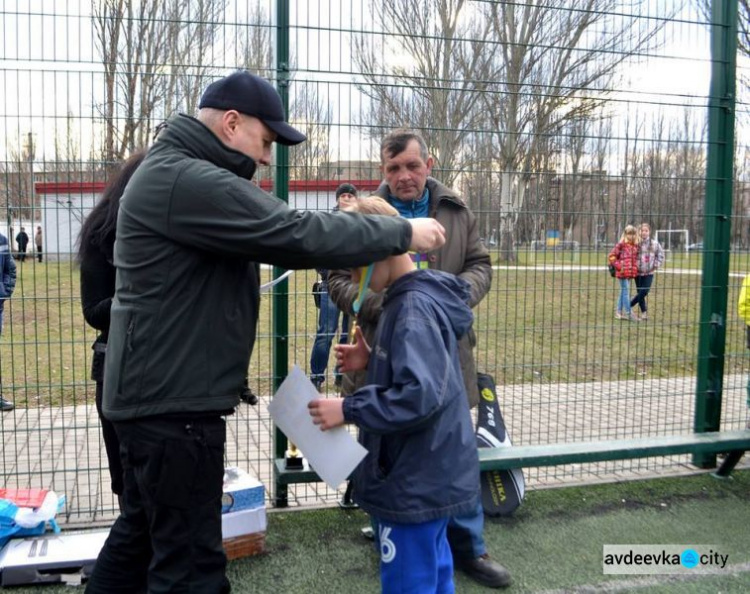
{"x":406,"y":166}
{"x":191,"y":231}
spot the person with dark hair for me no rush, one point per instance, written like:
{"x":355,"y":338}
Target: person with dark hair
{"x":191,"y":234}
{"x":408,"y":186}
{"x":328,"y":315}
{"x":96,"y":242}
{"x":22,"y":239}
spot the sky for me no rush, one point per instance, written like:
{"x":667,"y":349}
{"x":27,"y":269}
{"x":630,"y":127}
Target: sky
{"x":48,"y":67}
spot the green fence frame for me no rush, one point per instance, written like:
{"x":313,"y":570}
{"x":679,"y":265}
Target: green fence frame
{"x":715,"y":351}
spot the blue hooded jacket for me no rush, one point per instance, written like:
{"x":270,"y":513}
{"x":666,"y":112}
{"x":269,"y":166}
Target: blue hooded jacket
{"x":7,"y":270}
{"x":413,"y":413}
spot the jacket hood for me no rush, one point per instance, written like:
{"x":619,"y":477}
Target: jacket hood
{"x":449,"y":291}
{"x":197,"y":140}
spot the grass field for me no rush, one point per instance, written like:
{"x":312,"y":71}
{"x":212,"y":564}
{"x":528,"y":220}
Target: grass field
{"x":546,"y":319}
{"x":553,"y":544}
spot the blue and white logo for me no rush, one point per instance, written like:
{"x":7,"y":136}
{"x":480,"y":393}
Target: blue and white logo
{"x":689,"y":558}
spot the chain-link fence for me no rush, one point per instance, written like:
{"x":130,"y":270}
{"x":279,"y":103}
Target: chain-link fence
{"x":559,"y":123}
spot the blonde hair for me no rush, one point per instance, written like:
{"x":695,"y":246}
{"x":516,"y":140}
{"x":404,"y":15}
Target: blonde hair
{"x":629,"y":230}
{"x":371,"y":205}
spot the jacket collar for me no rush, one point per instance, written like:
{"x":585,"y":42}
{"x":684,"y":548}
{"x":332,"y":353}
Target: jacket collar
{"x":194,"y":137}
{"x":437,"y":193}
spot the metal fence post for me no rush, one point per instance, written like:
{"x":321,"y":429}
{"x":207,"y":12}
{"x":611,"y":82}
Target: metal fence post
{"x":718,"y":211}
{"x":281,"y":189}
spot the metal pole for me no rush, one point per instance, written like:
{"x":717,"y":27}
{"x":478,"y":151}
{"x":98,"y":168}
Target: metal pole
{"x":718,"y":211}
{"x":281,"y":189}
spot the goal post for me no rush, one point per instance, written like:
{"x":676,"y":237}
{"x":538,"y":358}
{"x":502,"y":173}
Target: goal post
{"x":673,"y":239}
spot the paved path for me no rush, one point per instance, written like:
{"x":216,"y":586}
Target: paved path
{"x":61,"y":448}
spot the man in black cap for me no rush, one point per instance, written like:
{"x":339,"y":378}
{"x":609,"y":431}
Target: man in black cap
{"x":190,"y":234}
{"x":328,"y":314}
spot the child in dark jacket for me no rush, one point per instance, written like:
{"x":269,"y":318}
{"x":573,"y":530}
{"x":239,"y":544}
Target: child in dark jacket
{"x":422,"y":466}
{"x":624,"y":257}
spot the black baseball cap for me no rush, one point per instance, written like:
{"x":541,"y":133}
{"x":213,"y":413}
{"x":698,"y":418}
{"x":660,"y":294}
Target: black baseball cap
{"x":254,"y":96}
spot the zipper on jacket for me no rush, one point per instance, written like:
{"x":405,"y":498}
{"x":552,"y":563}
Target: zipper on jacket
{"x":128,"y":349}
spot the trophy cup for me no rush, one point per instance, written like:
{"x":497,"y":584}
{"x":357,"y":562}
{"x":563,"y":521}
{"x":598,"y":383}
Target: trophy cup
{"x":293,"y":459}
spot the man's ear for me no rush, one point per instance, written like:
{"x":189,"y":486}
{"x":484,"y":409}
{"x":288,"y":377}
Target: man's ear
{"x":230,"y":121}
{"x":430,"y":163}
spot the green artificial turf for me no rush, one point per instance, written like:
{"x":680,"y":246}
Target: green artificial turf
{"x":552,"y":544}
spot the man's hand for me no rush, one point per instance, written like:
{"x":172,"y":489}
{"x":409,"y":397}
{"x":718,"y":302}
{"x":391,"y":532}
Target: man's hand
{"x":426,"y":235}
{"x":353,"y":357}
{"x":246,"y":394}
{"x":328,"y":413}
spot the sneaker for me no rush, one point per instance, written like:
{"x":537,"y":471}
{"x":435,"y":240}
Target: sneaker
{"x":618,"y":316}
{"x":485,"y":571}
{"x":6,"y":405}
{"x":644,"y":316}
{"x":368,"y":533}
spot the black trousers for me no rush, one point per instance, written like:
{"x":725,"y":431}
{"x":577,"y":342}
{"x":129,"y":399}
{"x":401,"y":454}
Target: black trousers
{"x":111,"y":444}
{"x":168,"y":535}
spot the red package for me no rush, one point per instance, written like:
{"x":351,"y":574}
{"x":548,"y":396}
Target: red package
{"x":25,"y":497}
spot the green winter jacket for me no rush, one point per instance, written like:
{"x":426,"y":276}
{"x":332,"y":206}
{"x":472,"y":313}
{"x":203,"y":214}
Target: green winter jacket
{"x":190,"y":232}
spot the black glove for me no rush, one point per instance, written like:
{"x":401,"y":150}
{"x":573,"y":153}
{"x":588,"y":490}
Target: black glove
{"x":246,"y":394}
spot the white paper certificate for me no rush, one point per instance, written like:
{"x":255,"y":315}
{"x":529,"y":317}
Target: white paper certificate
{"x":333,"y":454}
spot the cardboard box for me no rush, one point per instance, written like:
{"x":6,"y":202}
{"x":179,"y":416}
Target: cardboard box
{"x":51,"y":558}
{"x":243,"y":522}
{"x":241,"y":491}
{"x":243,"y":514}
{"x":246,"y":545}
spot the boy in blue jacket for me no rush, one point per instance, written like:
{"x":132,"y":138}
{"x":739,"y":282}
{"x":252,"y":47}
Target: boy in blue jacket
{"x":422,"y":466}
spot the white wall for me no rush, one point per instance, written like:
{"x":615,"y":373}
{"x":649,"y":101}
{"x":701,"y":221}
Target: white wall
{"x":62,"y":215}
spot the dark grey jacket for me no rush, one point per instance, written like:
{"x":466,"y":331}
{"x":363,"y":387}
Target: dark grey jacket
{"x":463,"y":255}
{"x":190,"y":231}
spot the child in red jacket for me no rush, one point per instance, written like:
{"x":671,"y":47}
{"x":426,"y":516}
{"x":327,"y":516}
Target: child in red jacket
{"x":624,"y":257}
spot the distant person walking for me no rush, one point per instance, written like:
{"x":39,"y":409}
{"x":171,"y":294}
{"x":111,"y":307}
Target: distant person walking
{"x":650,"y":258}
{"x":624,"y":257}
{"x":22,"y":239}
{"x":8,"y":268}
{"x":38,"y":242}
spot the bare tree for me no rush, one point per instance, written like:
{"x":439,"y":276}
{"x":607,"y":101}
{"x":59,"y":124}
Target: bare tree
{"x":425,"y":73}
{"x":555,"y":64}
{"x":743,"y":22}
{"x":67,"y":148}
{"x":600,"y":200}
{"x":194,"y":43}
{"x":152,"y":60}
{"x":313,"y":118}
{"x":308,"y":111}
{"x":108,"y":16}
{"x":17,"y":179}
{"x":255,"y":43}
{"x":667,"y":175}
